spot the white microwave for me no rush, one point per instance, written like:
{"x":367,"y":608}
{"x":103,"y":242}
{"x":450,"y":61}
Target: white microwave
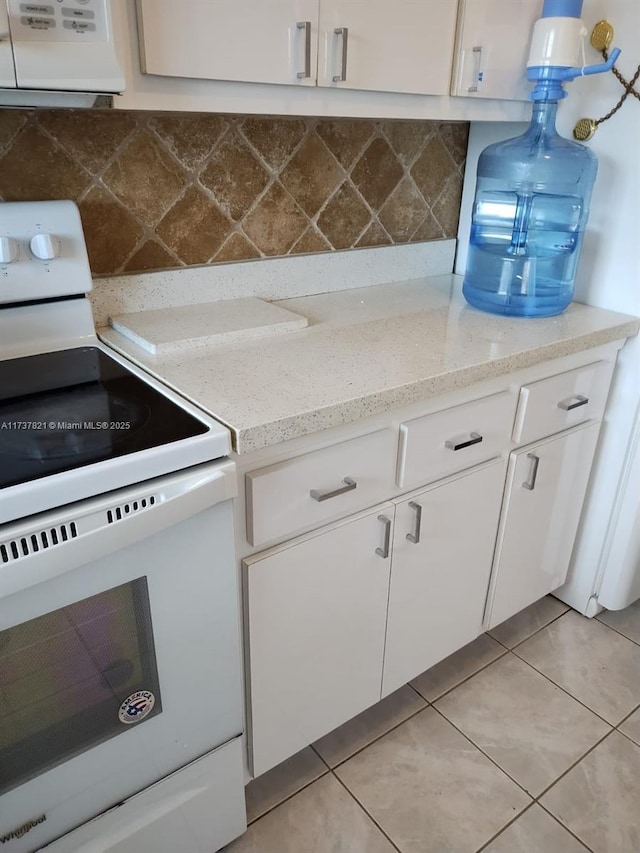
{"x":57,"y":46}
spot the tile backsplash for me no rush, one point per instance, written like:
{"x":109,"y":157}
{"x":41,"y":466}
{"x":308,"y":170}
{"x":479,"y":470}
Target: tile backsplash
{"x":161,"y":190}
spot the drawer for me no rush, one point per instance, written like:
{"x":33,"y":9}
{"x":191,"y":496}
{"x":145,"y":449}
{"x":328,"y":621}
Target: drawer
{"x":562,"y":401}
{"x":309,"y":490}
{"x":440,"y":444}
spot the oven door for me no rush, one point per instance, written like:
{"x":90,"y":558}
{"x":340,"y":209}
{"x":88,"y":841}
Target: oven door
{"x":119,"y":648}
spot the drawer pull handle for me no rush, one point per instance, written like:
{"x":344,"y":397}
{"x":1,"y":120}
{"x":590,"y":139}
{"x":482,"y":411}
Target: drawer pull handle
{"x":531,"y":482}
{"x":475,"y":438}
{"x":567,"y":405}
{"x":415,"y":536}
{"x":384,"y":551}
{"x":349,"y":486}
{"x":344,"y":32}
{"x":306,"y":26}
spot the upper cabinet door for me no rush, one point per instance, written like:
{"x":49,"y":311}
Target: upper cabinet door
{"x":273,"y":41}
{"x":401,"y":46}
{"x":492,"y":48}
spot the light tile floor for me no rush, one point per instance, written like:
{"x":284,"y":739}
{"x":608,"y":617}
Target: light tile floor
{"x":525,"y":741}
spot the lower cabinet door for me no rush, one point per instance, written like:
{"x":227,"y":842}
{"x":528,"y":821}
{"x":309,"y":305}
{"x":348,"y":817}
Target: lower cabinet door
{"x":316,"y":609}
{"x":442,"y":552}
{"x":546,"y":486}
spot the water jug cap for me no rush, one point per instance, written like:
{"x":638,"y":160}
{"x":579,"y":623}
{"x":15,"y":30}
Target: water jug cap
{"x":562,"y":9}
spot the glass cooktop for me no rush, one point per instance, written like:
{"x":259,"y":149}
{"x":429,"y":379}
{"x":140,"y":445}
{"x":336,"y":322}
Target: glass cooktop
{"x":62,"y":410}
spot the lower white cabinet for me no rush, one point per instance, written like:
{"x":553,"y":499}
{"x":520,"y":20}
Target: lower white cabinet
{"x":442,"y":550}
{"x":546,"y":485}
{"x":342,"y":616}
{"x":316,"y":624}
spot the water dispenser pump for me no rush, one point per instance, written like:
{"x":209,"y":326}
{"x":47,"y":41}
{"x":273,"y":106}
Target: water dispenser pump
{"x":533,"y":192}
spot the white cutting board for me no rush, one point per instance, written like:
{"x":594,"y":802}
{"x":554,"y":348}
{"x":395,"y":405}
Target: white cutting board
{"x":173,"y":329}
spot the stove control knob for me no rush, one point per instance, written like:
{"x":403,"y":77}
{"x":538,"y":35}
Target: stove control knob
{"x":8,"y":250}
{"x":45,"y":247}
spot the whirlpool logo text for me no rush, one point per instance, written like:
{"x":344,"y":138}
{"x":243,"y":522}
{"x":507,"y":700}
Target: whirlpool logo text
{"x":22,"y":830}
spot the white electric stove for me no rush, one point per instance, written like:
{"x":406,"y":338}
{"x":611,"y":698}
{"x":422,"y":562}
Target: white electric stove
{"x":120,"y":672}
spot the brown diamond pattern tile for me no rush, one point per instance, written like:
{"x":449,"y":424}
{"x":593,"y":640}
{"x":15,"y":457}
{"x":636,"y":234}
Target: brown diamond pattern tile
{"x":194,"y":228}
{"x":455,"y":136}
{"x":110,"y":231}
{"x":447,"y":208}
{"x":432,"y":168}
{"x":236,"y":248}
{"x":311,"y":175}
{"x":156,"y":156}
{"x":407,"y":138}
{"x":311,"y":241}
{"x":90,"y":137}
{"x":35,"y":168}
{"x":11,"y":121}
{"x":150,"y":256}
{"x":403,"y":212}
{"x":344,"y":218}
{"x":377,"y":173}
{"x":145,"y":178}
{"x":275,"y":223}
{"x":275,"y":138}
{"x":235,"y":177}
{"x":190,"y":138}
{"x":430,"y":229}
{"x":345,"y":139}
{"x":375,"y":235}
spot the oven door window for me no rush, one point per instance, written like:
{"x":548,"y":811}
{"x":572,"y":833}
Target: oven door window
{"x":74,"y":678}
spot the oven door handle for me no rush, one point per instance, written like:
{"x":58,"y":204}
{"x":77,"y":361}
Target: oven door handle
{"x":102,"y":525}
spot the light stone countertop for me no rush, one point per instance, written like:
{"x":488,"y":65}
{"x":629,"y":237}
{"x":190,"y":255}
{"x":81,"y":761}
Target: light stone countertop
{"x":365,"y":351}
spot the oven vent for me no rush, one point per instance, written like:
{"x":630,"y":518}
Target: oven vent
{"x":24,"y":546}
{"x":118,"y":513}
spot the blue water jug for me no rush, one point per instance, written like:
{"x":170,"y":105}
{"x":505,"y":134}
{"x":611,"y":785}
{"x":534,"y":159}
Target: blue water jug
{"x":530,"y":211}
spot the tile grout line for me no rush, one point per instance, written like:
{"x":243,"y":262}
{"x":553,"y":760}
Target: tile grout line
{"x":534,"y":799}
{"x":375,"y":740}
{"x":367,"y":814}
{"x":459,"y":683}
{"x":615,"y":630}
{"x":505,"y":827}
{"x":289,"y":796}
{"x":529,"y":636}
{"x":564,"y":690}
{"x":566,"y":828}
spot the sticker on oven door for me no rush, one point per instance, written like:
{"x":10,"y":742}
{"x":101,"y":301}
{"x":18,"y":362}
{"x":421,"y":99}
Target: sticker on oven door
{"x":136,"y":707}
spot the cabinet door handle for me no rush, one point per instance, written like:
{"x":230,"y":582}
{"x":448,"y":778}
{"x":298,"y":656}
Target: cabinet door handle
{"x":415,"y":536}
{"x":306,"y":26}
{"x":474,"y":438}
{"x":344,"y":32}
{"x":349,"y":486}
{"x":531,"y":482}
{"x":477,"y":69}
{"x":384,"y":551}
{"x":567,"y":405}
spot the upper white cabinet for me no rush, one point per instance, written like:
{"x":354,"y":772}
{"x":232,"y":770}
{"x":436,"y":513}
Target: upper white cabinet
{"x":274,"y":41}
{"x":403,"y":46}
{"x":492,"y":47}
{"x":340,"y":58}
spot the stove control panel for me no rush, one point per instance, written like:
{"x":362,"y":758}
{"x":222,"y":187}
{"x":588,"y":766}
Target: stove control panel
{"x":42,"y":251}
